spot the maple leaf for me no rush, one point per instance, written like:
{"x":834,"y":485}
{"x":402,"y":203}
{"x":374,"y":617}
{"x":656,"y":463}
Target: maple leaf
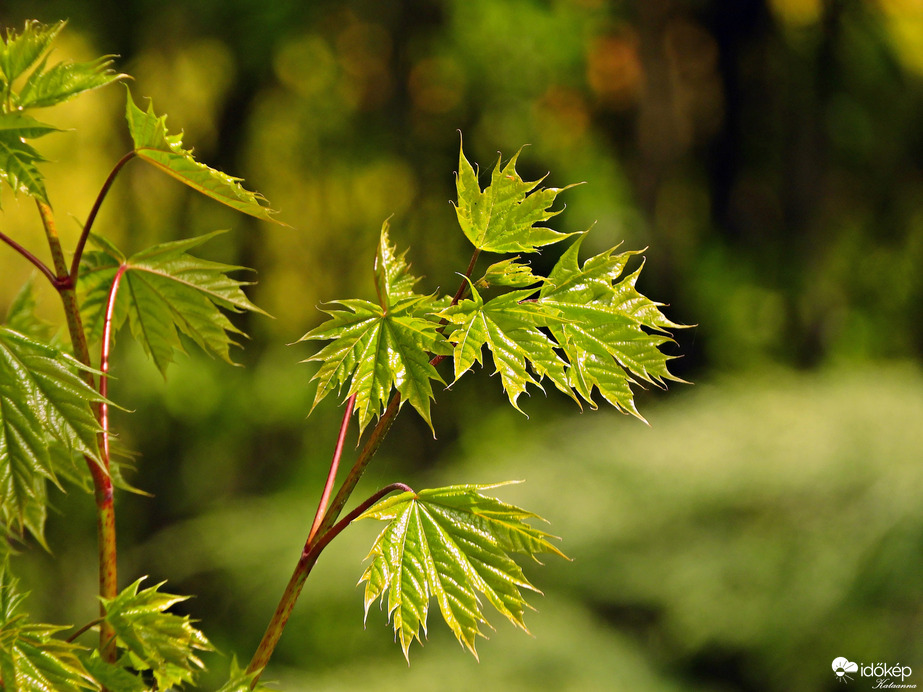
{"x":503,"y":217}
{"x":453,"y":544}
{"x":18,"y":168}
{"x":32,"y":658}
{"x":381,"y":347}
{"x":156,"y":640}
{"x":20,"y":50}
{"x":155,"y":145}
{"x":609,"y":331}
{"x":164,"y":292}
{"x":510,"y":273}
{"x":509,"y":325}
{"x":44,"y":86}
{"x":45,"y":407}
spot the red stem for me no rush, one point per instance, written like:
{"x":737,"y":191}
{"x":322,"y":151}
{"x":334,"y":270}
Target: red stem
{"x":81,"y":243}
{"x":104,"y":363}
{"x":309,"y":555}
{"x":325,"y":523}
{"x":41,"y":266}
{"x":102,"y":483}
{"x":334,"y":466}
{"x":104,"y":495}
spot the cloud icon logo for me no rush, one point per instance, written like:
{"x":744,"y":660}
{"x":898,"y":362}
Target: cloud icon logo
{"x":842,"y":666}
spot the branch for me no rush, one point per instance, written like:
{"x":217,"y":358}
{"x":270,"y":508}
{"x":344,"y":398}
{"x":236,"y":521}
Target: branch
{"x":41,"y":266}
{"x":104,"y":363}
{"x":334,"y":466}
{"x":328,"y":527}
{"x":102,"y":483}
{"x":78,"y":251}
{"x":309,"y":555}
{"x":90,"y":625}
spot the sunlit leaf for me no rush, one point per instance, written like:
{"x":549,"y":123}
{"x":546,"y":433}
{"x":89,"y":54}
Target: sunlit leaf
{"x":20,"y":50}
{"x":161,"y":642}
{"x":503,"y":217}
{"x":165,"y":291}
{"x":32,"y":657}
{"x":241,"y":681}
{"x":510,"y":273}
{"x":453,"y":544}
{"x":65,"y":80}
{"x":155,"y":145}
{"x":509,"y":325}
{"x":17,"y":166}
{"x":381,"y":347}
{"x":113,"y":676}
{"x":24,"y":126}
{"x":43,"y":403}
{"x":610,"y":333}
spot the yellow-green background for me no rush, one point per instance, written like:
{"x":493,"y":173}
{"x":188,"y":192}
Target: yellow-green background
{"x":767,"y":153}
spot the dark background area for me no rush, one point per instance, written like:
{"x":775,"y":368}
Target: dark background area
{"x":768,"y":156}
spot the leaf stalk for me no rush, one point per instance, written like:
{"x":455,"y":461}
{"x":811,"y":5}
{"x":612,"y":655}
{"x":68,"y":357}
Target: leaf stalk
{"x":306,"y":562}
{"x":85,"y":234}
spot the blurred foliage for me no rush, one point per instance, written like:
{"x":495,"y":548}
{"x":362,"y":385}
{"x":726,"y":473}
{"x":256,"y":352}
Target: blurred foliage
{"x":767,"y":151}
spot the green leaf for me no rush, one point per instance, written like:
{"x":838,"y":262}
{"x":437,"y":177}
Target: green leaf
{"x":452,"y":544}
{"x":165,"y":291}
{"x":509,"y":325}
{"x":381,"y":347}
{"x":610,"y":331}
{"x":21,"y":50}
{"x":21,"y":315}
{"x":17,"y":166}
{"x":510,"y":273}
{"x":32,"y":658}
{"x":503,"y":217}
{"x":165,"y":151}
{"x":157,"y":640}
{"x":65,"y":80}
{"x":113,"y":676}
{"x":24,"y":126}
{"x":240,"y":680}
{"x":43,"y":403}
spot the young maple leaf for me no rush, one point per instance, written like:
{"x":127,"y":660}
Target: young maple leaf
{"x":165,"y":151}
{"x":454,"y":544}
{"x":381,"y":347}
{"x":504,"y":216}
{"x":510,"y":326}
{"x":608,"y":331}
{"x":45,"y":407}
{"x":164,"y":292}
{"x":161,"y":642}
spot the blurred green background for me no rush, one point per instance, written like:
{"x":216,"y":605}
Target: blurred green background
{"x":768,"y":153}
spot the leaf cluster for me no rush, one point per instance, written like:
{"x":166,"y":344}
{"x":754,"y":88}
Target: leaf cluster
{"x":584,"y":327}
{"x":159,"y":644}
{"x":27,"y":81}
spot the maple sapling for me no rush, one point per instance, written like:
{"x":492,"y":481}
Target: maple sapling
{"x":584,"y":328}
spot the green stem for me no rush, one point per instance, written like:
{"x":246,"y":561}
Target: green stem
{"x":102,"y":483}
